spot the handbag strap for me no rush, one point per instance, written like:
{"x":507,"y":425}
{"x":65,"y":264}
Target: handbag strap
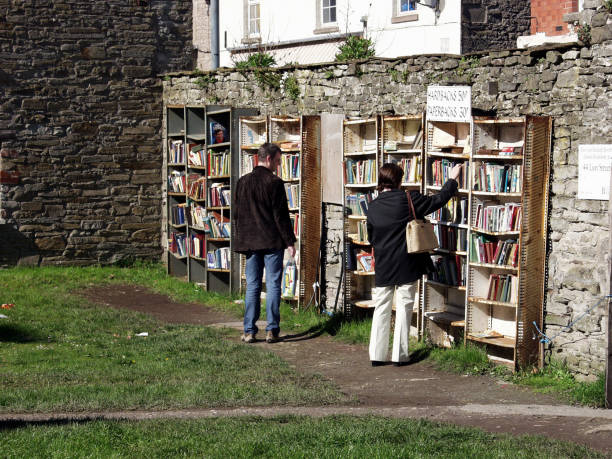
{"x":411,"y":205}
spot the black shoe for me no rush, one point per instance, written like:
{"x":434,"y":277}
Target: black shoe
{"x":377,"y":363}
{"x":401,"y":364}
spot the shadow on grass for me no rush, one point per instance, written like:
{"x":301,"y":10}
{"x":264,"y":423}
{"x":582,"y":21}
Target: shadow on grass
{"x":11,"y":333}
{"x":330,"y":326}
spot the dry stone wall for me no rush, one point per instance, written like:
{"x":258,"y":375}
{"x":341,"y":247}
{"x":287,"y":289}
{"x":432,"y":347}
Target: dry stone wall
{"x":80,"y":126}
{"x":571,"y":84}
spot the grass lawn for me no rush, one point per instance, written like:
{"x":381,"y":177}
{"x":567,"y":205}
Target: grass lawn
{"x":281,"y":437}
{"x":59,"y":353}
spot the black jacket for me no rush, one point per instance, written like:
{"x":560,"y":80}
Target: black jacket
{"x":387,"y":218}
{"x":260,"y":213}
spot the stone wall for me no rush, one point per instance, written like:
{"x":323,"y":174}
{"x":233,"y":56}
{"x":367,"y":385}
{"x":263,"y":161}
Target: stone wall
{"x":493,"y":24}
{"x":80,"y":126}
{"x":571,"y":84}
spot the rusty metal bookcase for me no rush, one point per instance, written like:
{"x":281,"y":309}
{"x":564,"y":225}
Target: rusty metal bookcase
{"x":361,"y":144}
{"x":506,"y":327}
{"x":301,"y":136}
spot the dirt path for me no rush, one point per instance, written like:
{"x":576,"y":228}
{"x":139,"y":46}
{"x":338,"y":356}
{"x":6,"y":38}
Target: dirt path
{"x":415,"y":391}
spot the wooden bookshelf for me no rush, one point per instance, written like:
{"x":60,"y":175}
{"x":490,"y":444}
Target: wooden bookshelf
{"x":361,"y":154}
{"x":523,"y":146}
{"x":444,"y":294}
{"x":299,"y":140}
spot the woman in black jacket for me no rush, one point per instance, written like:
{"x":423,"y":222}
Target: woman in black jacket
{"x":397,"y":271}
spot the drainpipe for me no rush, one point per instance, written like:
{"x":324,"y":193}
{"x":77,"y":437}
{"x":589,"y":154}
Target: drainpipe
{"x":214,"y":33}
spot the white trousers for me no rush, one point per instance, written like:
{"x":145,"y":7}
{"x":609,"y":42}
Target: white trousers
{"x":381,"y":322}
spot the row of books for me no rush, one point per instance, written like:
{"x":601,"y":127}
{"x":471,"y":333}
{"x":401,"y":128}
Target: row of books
{"x":440,"y":172}
{"x":178,"y":214}
{"x":485,"y":250}
{"x":293,"y":195}
{"x":289,"y":167}
{"x":177,"y":243}
{"x":176,"y":152}
{"x":197,"y":186}
{"x":362,"y":231}
{"x":365,"y":261}
{"x":356,"y":172}
{"x":497,"y":178}
{"x":503,"y":151}
{"x":218,"y":163}
{"x":411,"y":167}
{"x":358,"y":203}
{"x":249,"y":162}
{"x":295,"y":221}
{"x":503,"y":287}
{"x":454,"y":211}
{"x":451,"y":238}
{"x":218,"y":259}
{"x":498,"y":218}
{"x":177,"y":182}
{"x":220,"y":225}
{"x":197,"y":245}
{"x":198,"y":217}
{"x":219,"y":195}
{"x":197,"y":155}
{"x":449,"y":270}
{"x":289,"y":280}
{"x":409,"y":136}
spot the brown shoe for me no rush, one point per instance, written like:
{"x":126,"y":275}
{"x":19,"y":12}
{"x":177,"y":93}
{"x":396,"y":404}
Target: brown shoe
{"x":272,"y":337}
{"x":248,"y":338}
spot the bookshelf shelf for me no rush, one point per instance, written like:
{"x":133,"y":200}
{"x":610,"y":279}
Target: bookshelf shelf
{"x":176,"y":134}
{"x":219,"y":111}
{"x":442,"y":154}
{"x":218,"y":270}
{"x":364,"y":273}
{"x":197,"y":258}
{"x":173,"y":193}
{"x":360,"y":185}
{"x":218,"y":207}
{"x":177,"y":256}
{"x":219,"y":239}
{"x":491,"y":302}
{"x":439,"y":284}
{"x":493,"y":266}
{"x":497,"y":194}
{"x":178,"y":226}
{"x":494,"y":233}
{"x":446,"y":318}
{"x":360,"y":153}
{"x":505,"y":341}
{"x":366,"y":304}
{"x":498,"y":157}
{"x":198,"y":200}
{"x":357,"y":217}
{"x":412,"y":151}
{"x":451,"y":252}
{"x":197,"y":137}
{"x":438,"y":188}
{"x":197,"y":228}
{"x":219,"y":177}
{"x":194,"y":166}
{"x":218,"y":145}
{"x":455,"y":225}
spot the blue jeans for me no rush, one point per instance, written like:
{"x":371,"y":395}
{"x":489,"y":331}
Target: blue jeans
{"x":255,"y":262}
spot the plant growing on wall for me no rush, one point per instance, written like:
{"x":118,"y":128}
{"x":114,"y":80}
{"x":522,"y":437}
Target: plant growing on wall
{"x":291,"y":87}
{"x":259,"y":59}
{"x":584,"y":33}
{"x":261,"y":63}
{"x":355,"y":48}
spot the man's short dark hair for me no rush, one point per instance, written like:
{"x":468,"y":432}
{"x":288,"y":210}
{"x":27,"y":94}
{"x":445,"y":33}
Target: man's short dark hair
{"x":389,"y":176}
{"x":267,"y":150}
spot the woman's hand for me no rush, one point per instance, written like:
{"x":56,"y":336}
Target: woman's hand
{"x":455,"y":171}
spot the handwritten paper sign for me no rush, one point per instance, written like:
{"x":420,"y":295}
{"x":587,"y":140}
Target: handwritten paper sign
{"x":449,"y":103}
{"x":594,"y":165}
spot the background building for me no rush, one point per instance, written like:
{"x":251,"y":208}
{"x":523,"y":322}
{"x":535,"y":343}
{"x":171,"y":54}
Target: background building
{"x":309,"y":32}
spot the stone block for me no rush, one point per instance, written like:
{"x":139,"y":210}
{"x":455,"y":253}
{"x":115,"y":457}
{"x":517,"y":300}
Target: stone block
{"x":50,"y":243}
{"x":601,"y":34}
{"x":568,"y":78}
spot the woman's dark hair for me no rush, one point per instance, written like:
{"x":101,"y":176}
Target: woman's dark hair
{"x":389,"y":176}
{"x":267,"y":150}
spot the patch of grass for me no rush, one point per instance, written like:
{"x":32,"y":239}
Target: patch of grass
{"x":462,"y":359}
{"x":557,"y":378}
{"x":279,"y":437}
{"x":58,"y":352}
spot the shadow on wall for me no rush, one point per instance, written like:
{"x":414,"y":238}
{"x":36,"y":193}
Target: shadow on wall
{"x":16,"y":249}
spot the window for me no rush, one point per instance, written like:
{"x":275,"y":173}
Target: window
{"x":407,"y":5}
{"x":329,"y":11}
{"x":253,"y":17}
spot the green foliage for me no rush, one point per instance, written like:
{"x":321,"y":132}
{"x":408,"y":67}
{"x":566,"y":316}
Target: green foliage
{"x":355,"y":48}
{"x":204,"y":81}
{"x":470,"y":359}
{"x":584,"y":33}
{"x":607,"y":4}
{"x":292,"y":436}
{"x":292,"y":88}
{"x":394,"y":75}
{"x":329,"y":75}
{"x":257,"y":60}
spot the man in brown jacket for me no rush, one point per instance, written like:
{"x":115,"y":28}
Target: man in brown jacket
{"x":262,"y":232}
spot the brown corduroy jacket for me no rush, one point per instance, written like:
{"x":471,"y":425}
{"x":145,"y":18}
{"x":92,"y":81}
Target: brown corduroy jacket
{"x":260,"y":213}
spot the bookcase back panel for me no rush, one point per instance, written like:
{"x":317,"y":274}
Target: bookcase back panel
{"x":310,"y":205}
{"x":285,"y":129}
{"x":176,"y":121}
{"x":253,"y":131}
{"x":196,"y":123}
{"x":533,"y":236}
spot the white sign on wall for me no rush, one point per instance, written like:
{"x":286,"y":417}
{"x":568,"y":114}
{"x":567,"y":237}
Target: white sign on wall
{"x":594,"y":165}
{"x":449,"y":103}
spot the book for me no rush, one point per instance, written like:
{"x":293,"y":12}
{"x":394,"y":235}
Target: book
{"x":217,"y":132}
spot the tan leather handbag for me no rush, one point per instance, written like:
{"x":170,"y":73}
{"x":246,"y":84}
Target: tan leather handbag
{"x":420,"y":236}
